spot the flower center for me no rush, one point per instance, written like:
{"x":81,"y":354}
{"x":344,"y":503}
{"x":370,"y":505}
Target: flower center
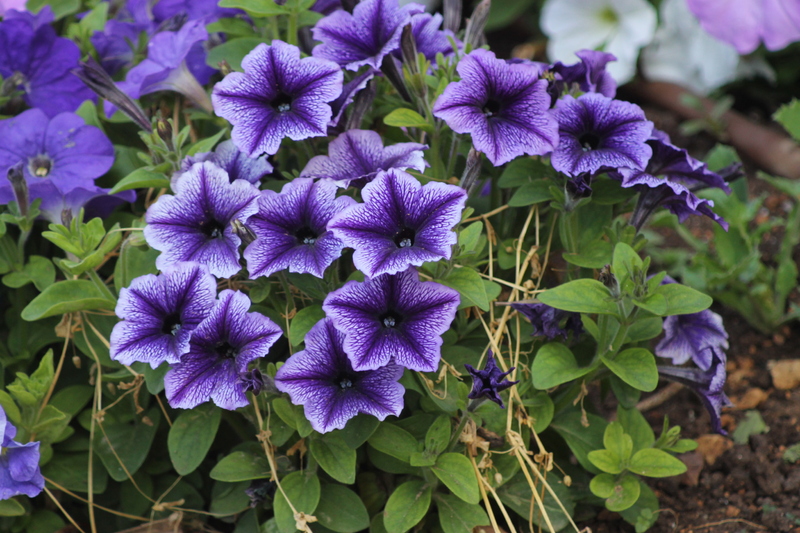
{"x":589,"y":141}
{"x":40,"y":166}
{"x":345,"y":383}
{"x":305,"y":235}
{"x":608,"y":15}
{"x":226,"y":351}
{"x":404,"y":238}
{"x":213,"y":229}
{"x":390,"y":319}
{"x":491,"y":107}
{"x":282,"y":103}
{"x":171,"y":325}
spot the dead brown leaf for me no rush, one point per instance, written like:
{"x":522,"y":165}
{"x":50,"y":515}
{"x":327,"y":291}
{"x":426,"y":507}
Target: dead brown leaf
{"x":694,"y":465}
{"x":785,"y":374}
{"x":751,"y":399}
{"x":712,"y":446}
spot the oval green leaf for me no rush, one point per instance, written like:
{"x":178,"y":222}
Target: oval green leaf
{"x":636,"y":367}
{"x":341,"y":510}
{"x":240,"y":466}
{"x":652,"y":462}
{"x":456,"y":472}
{"x":66,"y":297}
{"x":580,"y":296}
{"x":555,"y":364}
{"x":191,"y":436}
{"x":407,"y":505}
{"x":335,"y":457}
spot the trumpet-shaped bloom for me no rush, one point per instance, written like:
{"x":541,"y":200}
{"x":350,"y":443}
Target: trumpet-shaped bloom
{"x":279,"y":95}
{"x":365,"y":36}
{"x":233,"y":161}
{"x":220,"y":349}
{"x":489,"y":382}
{"x":195,"y":223}
{"x":358,"y":155}
{"x":322,"y":380}
{"x":503,"y":106}
{"x":598,"y":133}
{"x":393,"y":318}
{"x":19,"y":463}
{"x":694,"y":336}
{"x":159,"y":314}
{"x":400,"y":224}
{"x":291,"y":229}
{"x":547,"y":321}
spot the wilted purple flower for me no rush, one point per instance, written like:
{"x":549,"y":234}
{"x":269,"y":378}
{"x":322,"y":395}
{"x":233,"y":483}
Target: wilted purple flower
{"x":195,"y":223}
{"x":159,"y":314}
{"x":62,"y":151}
{"x":220,"y":349}
{"x":233,"y":161}
{"x":358,"y":155}
{"x":489,"y":382}
{"x":590,"y":74}
{"x":400,"y":224}
{"x":253,"y":380}
{"x":364,"y":37}
{"x":30,"y":48}
{"x":19,"y":463}
{"x":321,"y":379}
{"x":290,"y":229}
{"x":547,"y":321}
{"x":278,"y":95}
{"x":694,"y":336}
{"x":597,"y":132}
{"x":503,"y":106}
{"x":708,"y":384}
{"x":350,"y":91}
{"x":395,"y":318}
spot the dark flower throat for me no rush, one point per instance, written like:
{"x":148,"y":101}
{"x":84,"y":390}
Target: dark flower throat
{"x":306,"y":235}
{"x":281,"y":103}
{"x":589,"y":141}
{"x":404,"y":238}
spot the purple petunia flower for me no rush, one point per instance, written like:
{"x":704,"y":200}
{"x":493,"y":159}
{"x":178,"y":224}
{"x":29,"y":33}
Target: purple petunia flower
{"x":41,"y":62}
{"x":365,"y":36}
{"x":350,"y":91}
{"x":322,"y":380}
{"x":590,"y":75}
{"x":278,"y":95}
{"x":546,"y":320}
{"x":597,"y":132}
{"x":159,"y":314}
{"x":19,"y":463}
{"x":489,"y":382}
{"x":233,"y":161}
{"x":694,"y":336}
{"x":220,"y":349}
{"x":429,"y":38}
{"x":503,"y":106}
{"x":291,"y":229}
{"x":400,"y":224}
{"x":61,"y":152}
{"x":708,"y":384}
{"x":195,"y":223}
{"x":358,"y":155}
{"x":206,"y":11}
{"x":393,"y":318}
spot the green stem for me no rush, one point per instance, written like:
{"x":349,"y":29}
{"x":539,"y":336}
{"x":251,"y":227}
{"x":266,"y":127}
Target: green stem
{"x":459,"y":429}
{"x":101,"y":286}
{"x":291,"y":32}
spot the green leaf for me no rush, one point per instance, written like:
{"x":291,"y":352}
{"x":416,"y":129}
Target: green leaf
{"x":303,"y":490}
{"x":470,"y":286}
{"x":130,"y":442}
{"x":788,"y":115}
{"x":303,"y":321}
{"x":359,"y":429}
{"x":655,"y":303}
{"x":259,"y":8}
{"x":10,"y":407}
{"x":617,"y":442}
{"x":521,"y":171}
{"x":580,"y":296}
{"x":455,"y":516}
{"x":233,"y":52}
{"x":602,"y":485}
{"x":596,"y":254}
{"x":624,"y":262}
{"x":469,"y":236}
{"x":406,"y":118}
{"x":229,"y":498}
{"x":624,"y":495}
{"x":683,"y":300}
{"x":540,"y":408}
{"x":207,"y":144}
{"x":141,"y":178}
{"x":71,"y":471}
{"x":645,"y":329}
{"x":751,"y":424}
{"x":517,"y":495}
{"x":11,"y":508}
{"x":39,"y":270}
{"x":394,"y":441}
{"x":61,"y":8}
{"x":644,"y":513}
{"x":134,"y":261}
{"x":580,"y":439}
{"x":792,"y":454}
{"x":455,"y":471}
{"x":637,"y":427}
{"x":407,"y":505}
{"x":636,"y":367}
{"x":652,"y":462}
{"x":530,"y":193}
{"x":191,"y":436}
{"x":66,"y":297}
{"x":240,"y":466}
{"x":555,"y":364}
{"x":341,"y":510}
{"x":335,"y":457}
{"x":438,"y":435}
{"x":606,"y":461}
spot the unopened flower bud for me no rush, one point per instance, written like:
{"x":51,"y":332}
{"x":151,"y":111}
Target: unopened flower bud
{"x":452,"y":15}
{"x":408,"y":47}
{"x":472,"y":170}
{"x":17,"y":179}
{"x":224,"y":67}
{"x":608,"y":279}
{"x":476,"y":23}
{"x":98,"y":80}
{"x":243,"y":231}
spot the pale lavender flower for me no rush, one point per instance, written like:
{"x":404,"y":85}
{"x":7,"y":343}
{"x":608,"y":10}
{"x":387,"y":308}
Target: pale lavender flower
{"x":503,"y":106}
{"x":395,"y":318}
{"x":489,"y":382}
{"x":291,"y":229}
{"x":547,"y":321}
{"x":19,"y":463}
{"x":159,"y":314}
{"x":220,"y":349}
{"x":279,"y":95}
{"x":322,"y":380}
{"x":195,"y":223}
{"x":400,"y":224}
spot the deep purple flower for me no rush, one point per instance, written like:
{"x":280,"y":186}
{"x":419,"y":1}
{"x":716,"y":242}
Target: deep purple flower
{"x":322,"y":380}
{"x":395,"y":318}
{"x":489,"y":382}
{"x":364,"y":37}
{"x":350,"y":91}
{"x":597,"y":133}
{"x":326,"y":7}
{"x":291,"y":229}
{"x":233,"y":161}
{"x":195,"y":223}
{"x":694,"y":336}
{"x":400,"y":224}
{"x":278,"y":95}
{"x":358,"y":155}
{"x":159,"y":314}
{"x":206,"y":11}
{"x":31,"y":49}
{"x":220,"y":349}
{"x":19,"y":463}
{"x":708,"y":384}
{"x":116,"y":44}
{"x":429,"y":38}
{"x":62,"y":151}
{"x":547,"y":321}
{"x":503,"y":106}
{"x":590,"y":75}
{"x":254,"y":381}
